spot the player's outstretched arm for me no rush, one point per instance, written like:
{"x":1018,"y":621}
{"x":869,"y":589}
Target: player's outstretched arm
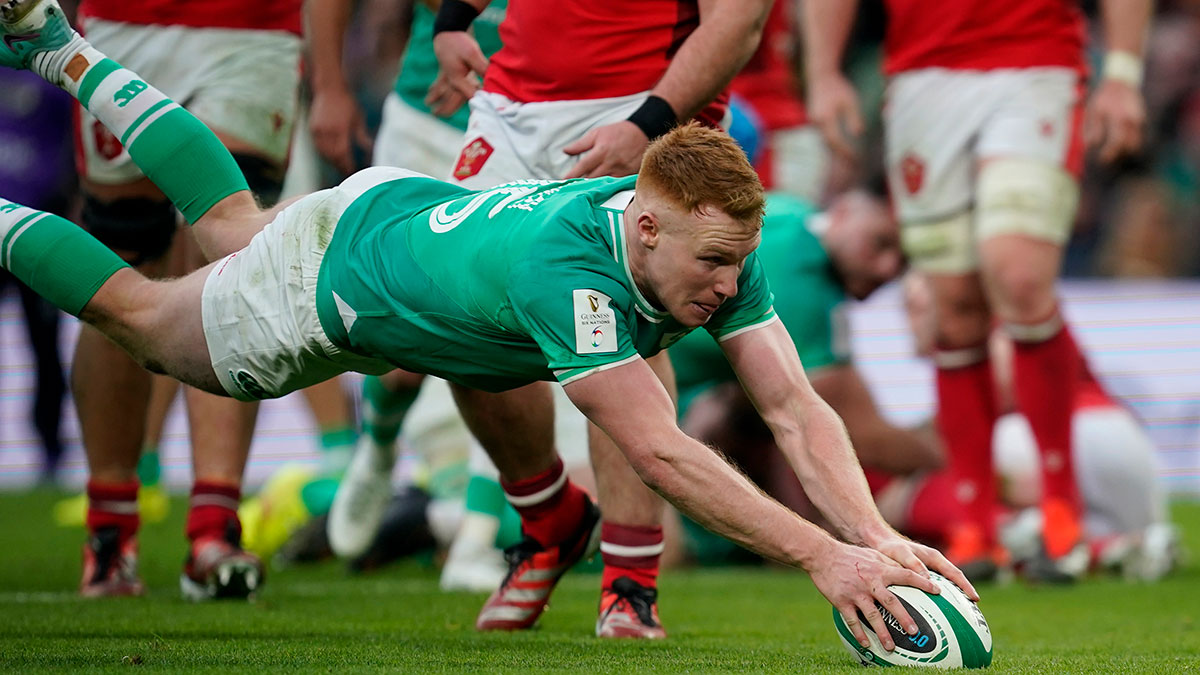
{"x":814,"y":440}
{"x":631,"y":406}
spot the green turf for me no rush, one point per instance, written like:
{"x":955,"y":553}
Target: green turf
{"x":319,"y":619}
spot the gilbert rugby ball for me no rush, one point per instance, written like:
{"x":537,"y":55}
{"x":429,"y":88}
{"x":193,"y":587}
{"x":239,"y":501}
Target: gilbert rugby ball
{"x":952,"y":632}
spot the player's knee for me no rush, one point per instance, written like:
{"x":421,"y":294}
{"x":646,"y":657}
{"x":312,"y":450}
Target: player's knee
{"x":264,"y":177}
{"x":1023,"y":293}
{"x":963,"y":319}
{"x":140,"y":230}
{"x":1033,"y":198}
{"x":941,"y":247}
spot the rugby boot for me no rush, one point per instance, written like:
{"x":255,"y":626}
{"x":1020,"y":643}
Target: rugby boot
{"x":29,"y":28}
{"x":629,"y":610}
{"x":218,"y":568}
{"x":362,"y":499}
{"x":110,"y":565}
{"x":1063,"y":556}
{"x":979,"y":560}
{"x":533,"y":571}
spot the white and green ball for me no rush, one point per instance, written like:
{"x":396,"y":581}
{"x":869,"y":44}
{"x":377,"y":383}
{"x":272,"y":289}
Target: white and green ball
{"x":952,"y":632}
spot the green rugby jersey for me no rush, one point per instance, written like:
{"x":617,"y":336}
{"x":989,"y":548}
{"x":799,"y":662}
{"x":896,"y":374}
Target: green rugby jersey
{"x":809,"y":299}
{"x":498,"y":288}
{"x":419,"y":66}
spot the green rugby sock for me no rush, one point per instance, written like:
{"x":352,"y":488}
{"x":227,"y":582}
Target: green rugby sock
{"x":54,"y":256}
{"x":384,"y":410}
{"x":485,"y":496}
{"x":174,"y":149}
{"x":149,"y":470}
{"x":337,"y":447}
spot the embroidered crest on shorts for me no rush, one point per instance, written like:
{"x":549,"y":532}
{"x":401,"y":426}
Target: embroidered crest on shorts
{"x":472,"y":158}
{"x":913,"y":171}
{"x":595,"y":322}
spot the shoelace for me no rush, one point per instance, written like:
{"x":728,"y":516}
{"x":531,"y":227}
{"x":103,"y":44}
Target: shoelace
{"x":640,"y":598}
{"x":518,"y":553}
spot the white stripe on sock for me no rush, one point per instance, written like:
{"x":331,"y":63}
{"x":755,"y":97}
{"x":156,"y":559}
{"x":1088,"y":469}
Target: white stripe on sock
{"x":631,"y":551}
{"x":539,"y":496}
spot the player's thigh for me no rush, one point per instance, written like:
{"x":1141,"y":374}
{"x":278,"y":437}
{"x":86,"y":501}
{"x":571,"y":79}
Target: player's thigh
{"x":259,"y":305}
{"x":931,"y":120}
{"x":1026,"y":188}
{"x":157,"y":322}
{"x":414,"y":139}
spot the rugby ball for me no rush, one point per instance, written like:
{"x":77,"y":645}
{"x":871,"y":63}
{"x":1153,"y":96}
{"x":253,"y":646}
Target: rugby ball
{"x":952,"y":632}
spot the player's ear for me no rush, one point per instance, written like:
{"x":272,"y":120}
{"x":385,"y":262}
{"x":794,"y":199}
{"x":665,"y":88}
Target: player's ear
{"x":649,"y":229}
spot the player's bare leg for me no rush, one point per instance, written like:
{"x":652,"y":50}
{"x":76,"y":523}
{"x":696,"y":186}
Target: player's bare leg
{"x":966,"y":414}
{"x":631,"y":539}
{"x":1020,"y":274}
{"x":558,"y":519}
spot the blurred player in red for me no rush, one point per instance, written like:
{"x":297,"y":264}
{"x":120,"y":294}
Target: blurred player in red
{"x":986,"y":129}
{"x":1114,"y":460}
{"x":236,"y":66}
{"x":580,"y":89}
{"x":793,"y":158}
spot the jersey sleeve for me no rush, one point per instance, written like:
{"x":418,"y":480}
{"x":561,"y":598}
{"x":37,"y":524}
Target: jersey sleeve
{"x":580,"y":320}
{"x":751,"y":308}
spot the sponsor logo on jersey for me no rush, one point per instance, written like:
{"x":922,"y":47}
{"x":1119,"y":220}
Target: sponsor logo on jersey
{"x":595,"y":322}
{"x":912,"y":169}
{"x":472,"y":158}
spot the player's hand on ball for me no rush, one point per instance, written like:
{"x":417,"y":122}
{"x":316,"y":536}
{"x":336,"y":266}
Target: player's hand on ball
{"x":833,"y":108}
{"x":1113,"y":120}
{"x":920,"y":559}
{"x":611,"y":150}
{"x":854,"y":578}
{"x":460,"y":65}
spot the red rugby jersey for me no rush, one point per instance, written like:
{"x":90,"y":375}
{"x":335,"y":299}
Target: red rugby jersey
{"x":253,"y":14}
{"x":983,"y":34}
{"x":567,"y":50}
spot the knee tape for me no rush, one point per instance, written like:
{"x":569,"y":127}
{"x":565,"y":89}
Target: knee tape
{"x":1027,"y":197}
{"x":941,"y":247}
{"x":264,"y":177}
{"x":141,"y":227}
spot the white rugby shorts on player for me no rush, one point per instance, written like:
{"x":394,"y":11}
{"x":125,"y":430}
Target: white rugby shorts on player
{"x":239,"y":82}
{"x":414,"y":139}
{"x":259,"y":304}
{"x":941,"y":123}
{"x":507,"y":140}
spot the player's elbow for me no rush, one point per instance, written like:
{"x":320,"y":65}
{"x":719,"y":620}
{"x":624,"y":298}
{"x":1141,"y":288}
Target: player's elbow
{"x":655,"y":461}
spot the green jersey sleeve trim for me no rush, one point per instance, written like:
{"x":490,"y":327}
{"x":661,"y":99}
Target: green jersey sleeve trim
{"x":572,"y":374}
{"x":769,"y":318}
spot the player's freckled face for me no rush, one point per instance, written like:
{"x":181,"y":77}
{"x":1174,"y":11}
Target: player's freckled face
{"x":689,"y":263}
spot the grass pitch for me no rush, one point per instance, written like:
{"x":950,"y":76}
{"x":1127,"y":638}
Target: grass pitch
{"x":319,"y":619}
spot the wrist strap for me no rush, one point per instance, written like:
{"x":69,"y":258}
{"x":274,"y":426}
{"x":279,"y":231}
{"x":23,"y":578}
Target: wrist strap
{"x":454,"y":15}
{"x":1124,"y":67}
{"x":655,"y":117}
